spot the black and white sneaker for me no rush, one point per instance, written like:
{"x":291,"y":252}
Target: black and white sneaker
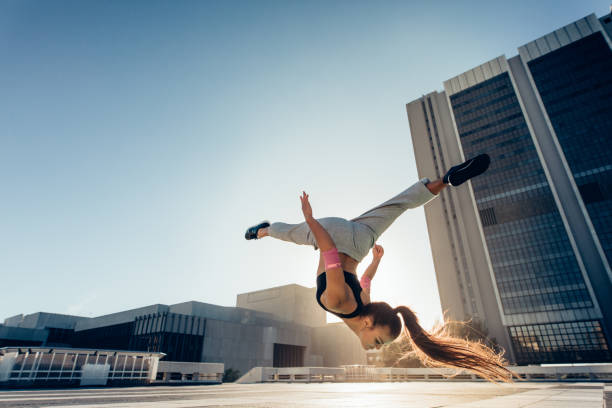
{"x":251,"y":233}
{"x":461,"y":173}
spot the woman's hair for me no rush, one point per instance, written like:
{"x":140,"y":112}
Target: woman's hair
{"x":438,"y":349}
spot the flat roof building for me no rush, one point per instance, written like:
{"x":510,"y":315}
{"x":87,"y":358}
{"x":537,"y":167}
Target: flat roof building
{"x":526,"y":249}
{"x":276,"y":327}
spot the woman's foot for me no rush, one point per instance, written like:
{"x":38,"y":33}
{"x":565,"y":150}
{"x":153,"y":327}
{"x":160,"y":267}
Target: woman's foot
{"x":436,"y":186}
{"x":257,"y":231}
{"x":461,"y":173}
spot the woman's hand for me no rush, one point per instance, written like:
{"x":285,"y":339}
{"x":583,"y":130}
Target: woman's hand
{"x":377,"y":252}
{"x":306,"y":209}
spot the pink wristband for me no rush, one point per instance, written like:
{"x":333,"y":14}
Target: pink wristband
{"x":331,"y":258}
{"x":365,"y":282}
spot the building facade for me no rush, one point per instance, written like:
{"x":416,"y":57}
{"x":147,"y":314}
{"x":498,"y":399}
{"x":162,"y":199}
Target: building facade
{"x":276,"y":327}
{"x":525,"y":249}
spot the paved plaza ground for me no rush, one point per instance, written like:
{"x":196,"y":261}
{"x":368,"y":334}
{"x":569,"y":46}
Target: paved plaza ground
{"x":338,"y":395}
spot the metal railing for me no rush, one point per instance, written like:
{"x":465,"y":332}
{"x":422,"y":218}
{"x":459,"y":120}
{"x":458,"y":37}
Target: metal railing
{"x":21,"y":366}
{"x":364,"y":373}
{"x":293,"y":374}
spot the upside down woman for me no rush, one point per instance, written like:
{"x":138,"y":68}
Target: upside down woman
{"x":344,"y":243}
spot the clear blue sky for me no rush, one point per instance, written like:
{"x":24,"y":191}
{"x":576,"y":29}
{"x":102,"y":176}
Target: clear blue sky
{"x":138,"y":140}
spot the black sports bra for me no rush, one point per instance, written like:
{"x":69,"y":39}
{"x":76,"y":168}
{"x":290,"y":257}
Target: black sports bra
{"x":351,"y":280}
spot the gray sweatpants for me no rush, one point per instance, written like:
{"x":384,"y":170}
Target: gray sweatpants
{"x":357,"y":236}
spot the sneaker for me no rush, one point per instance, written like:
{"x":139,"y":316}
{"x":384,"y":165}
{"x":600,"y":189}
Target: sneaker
{"x":251,"y":233}
{"x":461,"y":173}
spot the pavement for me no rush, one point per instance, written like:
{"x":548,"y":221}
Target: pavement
{"x":336,"y":395}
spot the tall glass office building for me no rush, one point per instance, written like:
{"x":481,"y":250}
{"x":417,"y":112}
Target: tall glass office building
{"x":526,"y":248}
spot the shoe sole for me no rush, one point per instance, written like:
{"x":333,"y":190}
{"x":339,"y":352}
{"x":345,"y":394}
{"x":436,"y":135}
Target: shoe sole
{"x":258,"y":225}
{"x":485,"y":166}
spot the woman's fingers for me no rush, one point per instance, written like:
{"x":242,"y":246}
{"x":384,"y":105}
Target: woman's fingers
{"x":378,"y":251}
{"x":305,"y":204}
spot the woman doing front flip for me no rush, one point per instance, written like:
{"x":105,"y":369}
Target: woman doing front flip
{"x":344,"y":243}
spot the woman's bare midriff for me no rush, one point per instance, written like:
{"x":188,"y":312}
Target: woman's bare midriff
{"x":348,"y":264}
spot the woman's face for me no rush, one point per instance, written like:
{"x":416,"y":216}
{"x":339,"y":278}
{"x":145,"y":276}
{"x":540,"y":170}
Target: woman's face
{"x":374,"y":337}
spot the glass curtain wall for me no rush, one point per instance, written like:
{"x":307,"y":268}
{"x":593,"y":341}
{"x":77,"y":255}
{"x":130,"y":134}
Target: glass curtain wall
{"x":575,"y":84}
{"x":533,"y":262}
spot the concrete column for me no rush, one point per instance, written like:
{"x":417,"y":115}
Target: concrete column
{"x":6,"y":365}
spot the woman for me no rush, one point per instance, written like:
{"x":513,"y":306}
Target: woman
{"x":343,"y":244}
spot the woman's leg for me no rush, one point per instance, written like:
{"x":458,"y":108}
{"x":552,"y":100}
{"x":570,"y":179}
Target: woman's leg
{"x":355,"y":241}
{"x":381,"y":217}
{"x":297,"y":233}
{"x":343,"y":232}
{"x":360,"y":234}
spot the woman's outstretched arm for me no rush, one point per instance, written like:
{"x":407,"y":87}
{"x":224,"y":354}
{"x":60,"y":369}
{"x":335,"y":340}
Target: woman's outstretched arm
{"x":324,"y":240}
{"x":368,"y":275}
{"x":335,"y":292}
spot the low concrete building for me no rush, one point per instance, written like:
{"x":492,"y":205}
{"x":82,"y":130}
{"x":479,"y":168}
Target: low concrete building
{"x":336,"y":345}
{"x":277,"y":327}
{"x":19,"y":336}
{"x":37,"y":329}
{"x":290,"y":303}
